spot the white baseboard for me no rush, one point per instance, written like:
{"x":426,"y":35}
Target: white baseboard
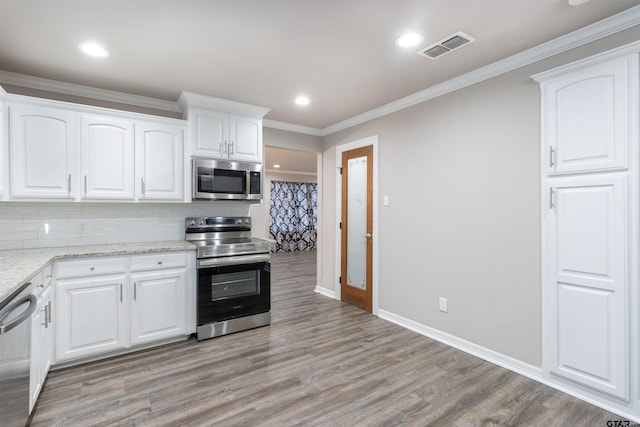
{"x":494,"y":357}
{"x":326,"y":292}
{"x":517,"y":366}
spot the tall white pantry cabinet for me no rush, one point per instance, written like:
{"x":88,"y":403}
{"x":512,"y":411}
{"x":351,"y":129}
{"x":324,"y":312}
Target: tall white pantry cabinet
{"x":590,"y":222}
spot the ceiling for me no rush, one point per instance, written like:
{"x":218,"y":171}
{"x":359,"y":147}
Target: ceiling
{"x":340,"y":53}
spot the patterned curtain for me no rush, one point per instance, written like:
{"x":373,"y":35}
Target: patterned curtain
{"x":293,"y":222}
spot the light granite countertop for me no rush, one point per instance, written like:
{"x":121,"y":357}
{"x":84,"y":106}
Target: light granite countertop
{"x":20,"y":265}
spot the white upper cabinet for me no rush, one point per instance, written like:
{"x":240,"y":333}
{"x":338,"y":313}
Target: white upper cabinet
{"x":210,"y":131}
{"x":586,"y":118}
{"x":67,"y":151}
{"x":245,"y":138}
{"x":223,"y":129}
{"x":42,"y":147}
{"x":107,"y":154}
{"x":160,"y":161}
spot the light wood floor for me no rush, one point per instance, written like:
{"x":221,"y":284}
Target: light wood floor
{"x":320,"y":363}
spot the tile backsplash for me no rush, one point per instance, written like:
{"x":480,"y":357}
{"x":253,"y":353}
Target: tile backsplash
{"x":50,"y":224}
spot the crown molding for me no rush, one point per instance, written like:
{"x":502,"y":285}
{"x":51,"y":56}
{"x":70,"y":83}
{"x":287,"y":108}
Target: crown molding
{"x":274,"y":124}
{"x":65,"y":88}
{"x":582,"y":36}
{"x":625,"y":50}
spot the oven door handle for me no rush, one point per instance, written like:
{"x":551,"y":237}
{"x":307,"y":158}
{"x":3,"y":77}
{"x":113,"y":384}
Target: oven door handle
{"x":233,"y":260}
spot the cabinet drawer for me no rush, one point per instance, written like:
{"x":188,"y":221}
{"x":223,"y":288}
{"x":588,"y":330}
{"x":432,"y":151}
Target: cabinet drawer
{"x":41,"y":280}
{"x":159,"y":261}
{"x":91,"y":267}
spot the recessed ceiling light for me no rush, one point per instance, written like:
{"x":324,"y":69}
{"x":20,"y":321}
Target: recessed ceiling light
{"x":276,"y":166}
{"x":577,"y":2}
{"x":302,"y":100}
{"x":409,"y":40}
{"x":93,"y":49}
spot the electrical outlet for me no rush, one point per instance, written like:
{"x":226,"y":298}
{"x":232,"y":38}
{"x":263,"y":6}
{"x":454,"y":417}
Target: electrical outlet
{"x":443,"y":305}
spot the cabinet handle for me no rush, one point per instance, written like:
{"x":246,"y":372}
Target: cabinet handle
{"x":85,"y":185}
{"x":143,"y":189}
{"x":120,"y":292}
{"x":135,"y":290}
{"x":231,"y":148}
{"x":551,"y":198}
{"x":68,"y":184}
{"x":226,"y":147}
{"x":49,"y":312}
{"x":552,"y":160}
{"x":46,"y":317}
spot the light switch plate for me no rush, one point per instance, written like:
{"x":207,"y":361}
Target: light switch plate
{"x":385,"y":200}
{"x":443,"y":305}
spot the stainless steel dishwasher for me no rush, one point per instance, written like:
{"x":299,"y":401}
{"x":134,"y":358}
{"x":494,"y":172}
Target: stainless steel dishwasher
{"x":15,"y":356}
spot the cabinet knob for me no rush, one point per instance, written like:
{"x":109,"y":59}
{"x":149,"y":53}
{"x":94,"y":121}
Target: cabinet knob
{"x":159,"y":262}
{"x":92,"y":268}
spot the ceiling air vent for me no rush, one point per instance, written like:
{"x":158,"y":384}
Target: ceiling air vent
{"x":446,"y":45}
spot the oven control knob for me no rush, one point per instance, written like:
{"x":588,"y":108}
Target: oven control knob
{"x":246,"y":220}
{"x":201,"y":222}
{"x":238,"y":220}
{"x":192,"y":222}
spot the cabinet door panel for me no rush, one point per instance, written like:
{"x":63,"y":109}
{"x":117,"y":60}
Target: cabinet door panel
{"x":586,"y":118}
{"x":161,"y":149}
{"x":210,"y":130}
{"x":158,"y":309}
{"x":90,"y":316}
{"x":245,"y":138}
{"x":35,"y":373}
{"x":42,"y":147}
{"x":588,"y":246}
{"x":107,"y":158}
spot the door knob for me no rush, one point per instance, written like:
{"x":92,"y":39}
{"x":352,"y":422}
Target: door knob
{"x":368,"y":236}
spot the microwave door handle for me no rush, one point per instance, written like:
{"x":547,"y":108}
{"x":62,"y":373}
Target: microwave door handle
{"x":247,"y":187}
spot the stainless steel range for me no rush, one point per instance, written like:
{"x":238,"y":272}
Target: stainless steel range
{"x":234,"y":275}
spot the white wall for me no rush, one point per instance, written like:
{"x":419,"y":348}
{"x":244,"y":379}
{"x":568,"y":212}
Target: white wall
{"x":462,"y":173}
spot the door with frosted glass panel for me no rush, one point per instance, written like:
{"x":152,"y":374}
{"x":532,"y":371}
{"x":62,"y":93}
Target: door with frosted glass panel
{"x":357,"y":227}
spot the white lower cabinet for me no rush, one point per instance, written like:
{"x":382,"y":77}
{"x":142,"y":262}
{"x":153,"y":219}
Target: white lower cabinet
{"x":91,"y":316}
{"x":120,"y":302}
{"x":41,"y":335}
{"x":158,"y":306}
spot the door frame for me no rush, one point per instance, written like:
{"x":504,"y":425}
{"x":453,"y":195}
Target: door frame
{"x":373,"y":141}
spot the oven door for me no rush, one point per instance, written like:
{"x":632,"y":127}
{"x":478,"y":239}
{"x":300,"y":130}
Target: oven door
{"x":233,"y":287}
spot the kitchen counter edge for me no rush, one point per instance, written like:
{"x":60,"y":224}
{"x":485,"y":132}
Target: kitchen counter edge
{"x":18,"y":266}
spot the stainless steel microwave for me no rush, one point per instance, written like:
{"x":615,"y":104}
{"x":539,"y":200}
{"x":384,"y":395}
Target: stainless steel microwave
{"x":226,"y":180}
